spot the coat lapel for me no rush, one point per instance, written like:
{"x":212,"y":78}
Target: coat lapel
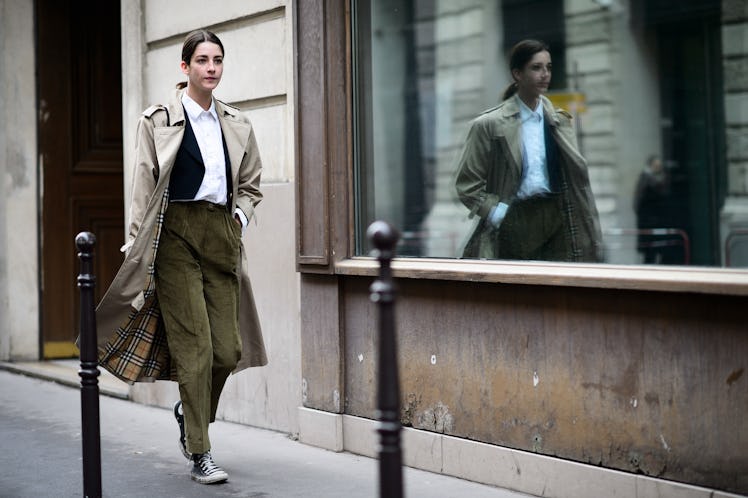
{"x":167,"y":139}
{"x":562,"y":140}
{"x":236,"y":134}
{"x":510,"y":114}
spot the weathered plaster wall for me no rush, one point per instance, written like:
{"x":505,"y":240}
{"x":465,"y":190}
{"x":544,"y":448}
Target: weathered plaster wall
{"x":643,"y":382}
{"x":19,"y":282}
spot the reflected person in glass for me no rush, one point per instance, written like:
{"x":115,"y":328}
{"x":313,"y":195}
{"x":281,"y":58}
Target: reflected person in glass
{"x":653,"y":206}
{"x":521,"y":173}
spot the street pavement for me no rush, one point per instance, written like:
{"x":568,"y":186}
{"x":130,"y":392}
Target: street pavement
{"x":40,"y":455}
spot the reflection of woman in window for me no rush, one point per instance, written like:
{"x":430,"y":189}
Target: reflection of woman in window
{"x":521,"y":173}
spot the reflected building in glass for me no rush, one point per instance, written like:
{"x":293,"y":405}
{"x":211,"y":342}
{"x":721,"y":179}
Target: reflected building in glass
{"x":640,"y":78}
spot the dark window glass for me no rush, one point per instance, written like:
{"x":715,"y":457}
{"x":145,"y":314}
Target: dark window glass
{"x":655,"y":94}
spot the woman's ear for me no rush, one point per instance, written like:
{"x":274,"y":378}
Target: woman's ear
{"x":185,"y":67}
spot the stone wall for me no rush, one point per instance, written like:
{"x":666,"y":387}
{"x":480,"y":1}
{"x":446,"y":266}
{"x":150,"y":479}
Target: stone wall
{"x":19,"y":293}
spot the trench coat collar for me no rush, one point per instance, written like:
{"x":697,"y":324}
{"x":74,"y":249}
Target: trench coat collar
{"x":510,"y":109}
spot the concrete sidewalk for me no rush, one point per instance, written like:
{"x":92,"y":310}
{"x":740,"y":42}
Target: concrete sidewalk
{"x":40,"y":430}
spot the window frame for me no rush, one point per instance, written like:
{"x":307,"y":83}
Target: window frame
{"x":325,"y":218}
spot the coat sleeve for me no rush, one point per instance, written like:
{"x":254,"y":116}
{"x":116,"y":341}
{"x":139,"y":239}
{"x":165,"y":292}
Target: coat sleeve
{"x":473,"y":171}
{"x":145,"y":175}
{"x":250,"y":171}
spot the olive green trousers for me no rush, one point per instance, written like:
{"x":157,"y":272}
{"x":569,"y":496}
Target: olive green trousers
{"x":197,"y":283}
{"x":533,"y":229}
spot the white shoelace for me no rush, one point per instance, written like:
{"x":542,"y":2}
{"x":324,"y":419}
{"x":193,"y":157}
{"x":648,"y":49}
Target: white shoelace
{"x":207,"y":465}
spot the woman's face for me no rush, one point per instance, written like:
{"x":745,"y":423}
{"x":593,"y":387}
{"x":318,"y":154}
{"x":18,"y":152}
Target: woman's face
{"x":205,"y":68}
{"x":534,"y":78}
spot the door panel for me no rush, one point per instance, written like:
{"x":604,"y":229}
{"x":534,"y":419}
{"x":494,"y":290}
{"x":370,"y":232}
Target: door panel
{"x":80,"y":142}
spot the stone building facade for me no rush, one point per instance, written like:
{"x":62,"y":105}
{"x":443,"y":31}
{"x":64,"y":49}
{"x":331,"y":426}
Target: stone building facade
{"x":561,"y":380}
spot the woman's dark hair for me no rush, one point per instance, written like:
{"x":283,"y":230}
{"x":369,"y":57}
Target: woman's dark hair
{"x":519,"y":56}
{"x":191,"y":41}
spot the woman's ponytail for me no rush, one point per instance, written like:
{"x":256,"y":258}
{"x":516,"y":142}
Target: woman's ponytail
{"x":181,"y":85}
{"x":509,"y":91}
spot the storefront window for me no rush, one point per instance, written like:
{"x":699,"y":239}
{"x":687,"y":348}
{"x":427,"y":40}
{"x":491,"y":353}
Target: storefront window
{"x":655,"y":95}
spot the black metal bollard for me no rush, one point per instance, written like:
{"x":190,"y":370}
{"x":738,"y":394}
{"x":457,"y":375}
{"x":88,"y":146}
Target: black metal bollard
{"x":89,"y":370}
{"x":384,"y":238}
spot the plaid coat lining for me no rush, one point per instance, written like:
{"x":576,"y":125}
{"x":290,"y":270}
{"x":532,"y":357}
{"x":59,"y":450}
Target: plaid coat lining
{"x":138,"y":350}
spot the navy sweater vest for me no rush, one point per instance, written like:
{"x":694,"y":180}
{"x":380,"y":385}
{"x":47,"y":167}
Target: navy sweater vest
{"x":189,"y":168}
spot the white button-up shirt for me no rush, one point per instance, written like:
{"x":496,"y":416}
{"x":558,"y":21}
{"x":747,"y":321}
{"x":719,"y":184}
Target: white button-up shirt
{"x":209,"y":138}
{"x":534,"y":168}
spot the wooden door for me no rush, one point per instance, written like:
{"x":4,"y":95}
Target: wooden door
{"x":80,"y":154}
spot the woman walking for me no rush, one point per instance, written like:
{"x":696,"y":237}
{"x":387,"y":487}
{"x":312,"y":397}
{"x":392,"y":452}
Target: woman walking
{"x":521,"y":173}
{"x":181,"y":305}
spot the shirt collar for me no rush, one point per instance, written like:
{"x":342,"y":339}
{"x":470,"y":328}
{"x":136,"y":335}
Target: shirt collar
{"x":194,"y":110}
{"x":526,"y":113}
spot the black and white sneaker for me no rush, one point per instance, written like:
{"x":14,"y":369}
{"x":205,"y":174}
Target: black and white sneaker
{"x":179,"y":415}
{"x":205,"y":470}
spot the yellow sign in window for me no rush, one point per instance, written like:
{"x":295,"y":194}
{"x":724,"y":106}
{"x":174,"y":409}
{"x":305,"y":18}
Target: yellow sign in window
{"x":573,"y":102}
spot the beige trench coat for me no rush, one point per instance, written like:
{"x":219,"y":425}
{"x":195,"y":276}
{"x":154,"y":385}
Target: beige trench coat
{"x":490,"y":171}
{"x":132,"y":342}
